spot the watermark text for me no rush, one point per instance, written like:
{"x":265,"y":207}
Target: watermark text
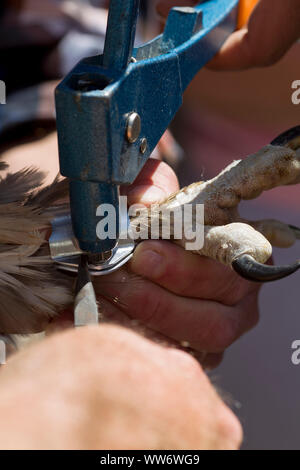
{"x":2,"y":92}
{"x":2,"y":352}
{"x":296,"y":352}
{"x":296,"y":93}
{"x":184,"y":222}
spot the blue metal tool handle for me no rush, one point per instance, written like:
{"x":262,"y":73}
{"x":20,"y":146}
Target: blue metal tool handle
{"x":120,"y":34}
{"x":95,"y":101}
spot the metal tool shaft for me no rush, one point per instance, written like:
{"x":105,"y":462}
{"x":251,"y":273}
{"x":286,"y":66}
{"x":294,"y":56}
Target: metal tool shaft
{"x":120,"y":33}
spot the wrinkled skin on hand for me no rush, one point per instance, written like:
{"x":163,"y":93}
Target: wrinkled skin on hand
{"x":205,"y":305}
{"x":178,"y":296}
{"x":108,"y":388}
{"x":174,"y":295}
{"x":183,"y":299}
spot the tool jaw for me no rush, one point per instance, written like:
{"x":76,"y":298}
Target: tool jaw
{"x":92,"y":123}
{"x":112,"y":110}
{"x":96,"y":99}
{"x":66,"y":252}
{"x":96,"y":153}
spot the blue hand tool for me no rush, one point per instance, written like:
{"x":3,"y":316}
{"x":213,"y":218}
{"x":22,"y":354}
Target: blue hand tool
{"x":113,"y":109}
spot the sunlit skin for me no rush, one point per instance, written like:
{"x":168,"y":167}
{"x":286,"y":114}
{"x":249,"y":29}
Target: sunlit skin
{"x":108,"y":388}
{"x":58,"y":393}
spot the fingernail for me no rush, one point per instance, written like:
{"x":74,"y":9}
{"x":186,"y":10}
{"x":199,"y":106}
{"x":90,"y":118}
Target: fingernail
{"x":148,"y":263}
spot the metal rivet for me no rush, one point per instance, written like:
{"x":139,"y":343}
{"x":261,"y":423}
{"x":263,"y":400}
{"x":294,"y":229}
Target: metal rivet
{"x":144,"y":145}
{"x":133,"y":127}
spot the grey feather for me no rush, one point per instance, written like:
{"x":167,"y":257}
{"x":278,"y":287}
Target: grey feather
{"x":14,"y":187}
{"x":32,"y":291}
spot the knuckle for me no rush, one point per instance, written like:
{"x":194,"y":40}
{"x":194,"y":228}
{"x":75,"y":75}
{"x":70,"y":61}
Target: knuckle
{"x":229,"y":429}
{"x":148,"y":305}
{"x":74,"y":354}
{"x":82,"y":340}
{"x":262,"y":56}
{"x":217,"y":336}
{"x":235,"y":289}
{"x":225,"y":333}
{"x":252,"y":313}
{"x":189,"y":364}
{"x":232,"y":290}
{"x":254,"y":318}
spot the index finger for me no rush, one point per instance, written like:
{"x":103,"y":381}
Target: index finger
{"x":190,"y":275}
{"x":206,"y":325}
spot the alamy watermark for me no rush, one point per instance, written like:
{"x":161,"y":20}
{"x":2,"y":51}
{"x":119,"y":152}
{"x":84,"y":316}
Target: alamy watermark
{"x":2,"y":92}
{"x":185,"y":222}
{"x":296,"y":93}
{"x":296,"y":352}
{"x":2,"y":352}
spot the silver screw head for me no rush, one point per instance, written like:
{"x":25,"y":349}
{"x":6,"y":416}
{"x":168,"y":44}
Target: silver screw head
{"x":133,"y":127}
{"x":144,"y":145}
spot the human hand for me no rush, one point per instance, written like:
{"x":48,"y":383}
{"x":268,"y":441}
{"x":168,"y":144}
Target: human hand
{"x":108,"y":388}
{"x":184,"y":298}
{"x":272,"y":29}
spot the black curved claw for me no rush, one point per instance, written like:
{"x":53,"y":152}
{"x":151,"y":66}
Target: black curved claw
{"x":287,"y":137}
{"x":248,"y":268}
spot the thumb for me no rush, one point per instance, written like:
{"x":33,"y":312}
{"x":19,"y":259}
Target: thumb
{"x":154,"y":184}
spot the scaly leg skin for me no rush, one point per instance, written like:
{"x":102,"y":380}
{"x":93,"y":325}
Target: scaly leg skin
{"x":226,"y":235}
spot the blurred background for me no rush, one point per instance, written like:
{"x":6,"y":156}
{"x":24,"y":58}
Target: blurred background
{"x":225,"y":116}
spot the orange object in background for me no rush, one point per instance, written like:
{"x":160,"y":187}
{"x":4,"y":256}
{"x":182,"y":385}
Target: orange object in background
{"x":245,"y":9}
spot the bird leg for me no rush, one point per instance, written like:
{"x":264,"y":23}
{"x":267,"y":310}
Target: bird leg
{"x":228,"y":237}
{"x":34,"y":290}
